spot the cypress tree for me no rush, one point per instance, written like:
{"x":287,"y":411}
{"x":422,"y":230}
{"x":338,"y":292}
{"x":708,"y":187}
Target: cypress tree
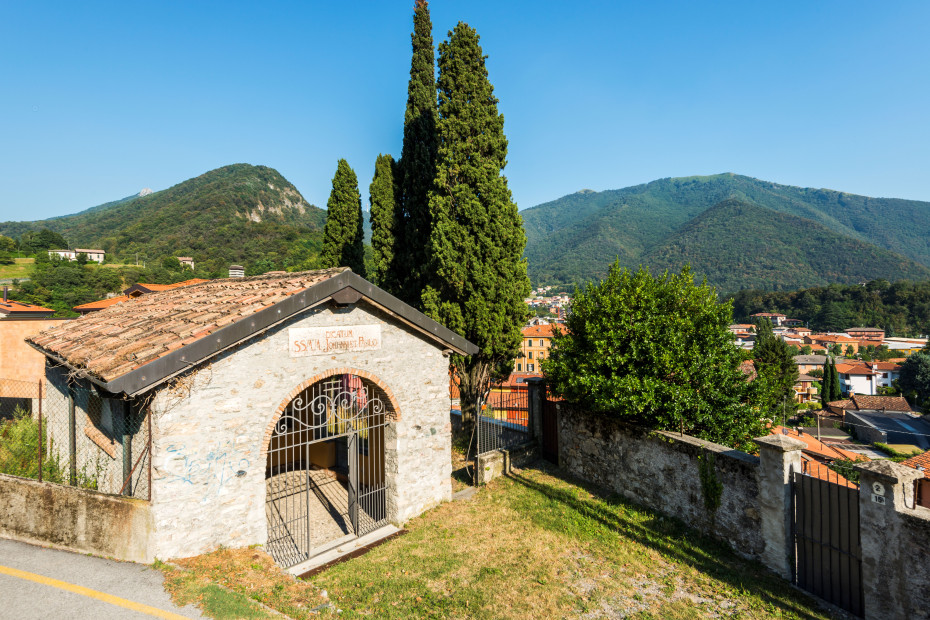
{"x":417,"y":162}
{"x":343,"y":235}
{"x":477,"y":276}
{"x":384,"y":222}
{"x":826,"y":383}
{"x":836,"y":387}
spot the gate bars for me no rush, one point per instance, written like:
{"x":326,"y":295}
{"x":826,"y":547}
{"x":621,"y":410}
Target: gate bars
{"x":325,"y":473}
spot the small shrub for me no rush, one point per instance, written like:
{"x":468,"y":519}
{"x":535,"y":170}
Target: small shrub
{"x":19,"y":449}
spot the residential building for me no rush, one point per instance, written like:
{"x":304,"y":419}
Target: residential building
{"x":808,"y":363}
{"x":775,"y":317}
{"x":804,"y":390}
{"x":857,"y":379}
{"x":19,"y":361}
{"x":92,"y":255}
{"x":905,"y":346}
{"x":886,"y":373}
{"x":537,"y":340}
{"x":921,"y":463}
{"x":828,"y":340}
{"x":873,"y":335}
{"x":186,"y":261}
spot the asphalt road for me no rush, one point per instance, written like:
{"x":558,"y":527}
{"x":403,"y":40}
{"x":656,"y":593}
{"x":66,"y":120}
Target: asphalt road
{"x":39,"y":583}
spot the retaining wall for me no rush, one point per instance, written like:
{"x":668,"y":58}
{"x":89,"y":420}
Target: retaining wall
{"x":75,"y":519}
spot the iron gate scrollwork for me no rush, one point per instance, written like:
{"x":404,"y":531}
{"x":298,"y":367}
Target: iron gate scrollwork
{"x":325,"y":474}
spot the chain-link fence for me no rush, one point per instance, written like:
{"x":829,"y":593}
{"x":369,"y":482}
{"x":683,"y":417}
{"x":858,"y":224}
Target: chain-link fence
{"x":68,"y":433}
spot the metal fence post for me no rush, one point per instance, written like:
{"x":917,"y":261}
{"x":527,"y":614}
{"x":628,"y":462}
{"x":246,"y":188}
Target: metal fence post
{"x":40,"y":430}
{"x":72,"y":438}
{"x":148,"y":444}
{"x":127,"y":448}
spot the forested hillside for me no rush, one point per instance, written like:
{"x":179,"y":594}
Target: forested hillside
{"x":235,"y":214}
{"x":576,"y":237}
{"x":902,"y":308}
{"x":738,"y":245}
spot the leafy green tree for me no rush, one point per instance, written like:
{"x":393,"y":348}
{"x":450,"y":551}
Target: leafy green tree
{"x":7,"y":244}
{"x":806,"y":350}
{"x":343,"y":235}
{"x":850,"y":351}
{"x":914,"y":380}
{"x":384,"y":223}
{"x":477,"y":276}
{"x":773,"y":358}
{"x":836,"y":348}
{"x":417,"y":163}
{"x":656,"y":351}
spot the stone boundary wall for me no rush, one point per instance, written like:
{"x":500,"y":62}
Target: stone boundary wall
{"x":662,"y":471}
{"x":75,"y":519}
{"x":497,"y":463}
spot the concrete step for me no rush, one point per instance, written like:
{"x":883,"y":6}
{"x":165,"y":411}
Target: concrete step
{"x":342,"y":550}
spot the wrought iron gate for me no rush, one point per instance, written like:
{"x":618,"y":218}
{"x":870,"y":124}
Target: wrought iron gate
{"x":828,"y":555}
{"x":550,"y":430}
{"x":325,"y":474}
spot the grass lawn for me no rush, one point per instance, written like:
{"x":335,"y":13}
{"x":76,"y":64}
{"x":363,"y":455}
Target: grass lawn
{"x":20,"y":268}
{"x":534,"y":545}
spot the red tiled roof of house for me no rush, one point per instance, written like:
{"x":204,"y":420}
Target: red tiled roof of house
{"x":817,"y":448}
{"x":21,"y":307}
{"x":542,"y":331}
{"x":748,"y":368}
{"x":854,"y":369}
{"x":86,"y":251}
{"x":767,"y":314}
{"x":842,"y":404}
{"x":832,"y":338}
{"x":885,"y":366}
{"x":123,"y":337}
{"x":891,"y":403}
{"x":864,"y":329}
{"x":820,"y":471}
{"x":921,"y":460}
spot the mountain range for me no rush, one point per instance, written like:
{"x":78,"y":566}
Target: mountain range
{"x":738,"y":231}
{"x":235,"y":214}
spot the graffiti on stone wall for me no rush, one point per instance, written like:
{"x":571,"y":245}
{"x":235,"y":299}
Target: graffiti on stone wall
{"x":209,"y":471}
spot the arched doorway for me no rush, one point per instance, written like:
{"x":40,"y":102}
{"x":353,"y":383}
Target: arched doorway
{"x":325,"y":478}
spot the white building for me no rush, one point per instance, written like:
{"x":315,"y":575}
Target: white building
{"x":92,"y":255}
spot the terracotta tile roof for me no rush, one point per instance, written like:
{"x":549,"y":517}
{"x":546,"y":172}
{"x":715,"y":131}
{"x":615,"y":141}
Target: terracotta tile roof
{"x":820,"y":471}
{"x":885,"y":366}
{"x":22,"y":308}
{"x":86,"y":251}
{"x":891,"y":403}
{"x":864,"y":329}
{"x":817,"y":448}
{"x":748,"y":368}
{"x":767,"y":314}
{"x":854,"y":369}
{"x":123,"y":337}
{"x":106,"y":303}
{"x":921,"y":460}
{"x":830,"y":338}
{"x":541,"y":331}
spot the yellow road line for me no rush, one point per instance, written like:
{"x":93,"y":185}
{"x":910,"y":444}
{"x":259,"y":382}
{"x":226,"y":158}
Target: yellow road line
{"x":100,"y":596}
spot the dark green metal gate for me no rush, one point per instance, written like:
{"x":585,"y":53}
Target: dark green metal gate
{"x":828,"y":554}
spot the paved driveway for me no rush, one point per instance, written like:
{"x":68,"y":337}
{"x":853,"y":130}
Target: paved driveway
{"x":45,"y":583}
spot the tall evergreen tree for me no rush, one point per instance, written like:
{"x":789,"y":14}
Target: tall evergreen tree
{"x":477,"y":276}
{"x":417,"y":162}
{"x":343,"y":235}
{"x":836,"y":387}
{"x":826,"y":383}
{"x":773,"y":357}
{"x":384,"y":222}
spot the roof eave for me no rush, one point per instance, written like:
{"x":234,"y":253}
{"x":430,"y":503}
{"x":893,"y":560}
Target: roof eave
{"x":163,"y":368}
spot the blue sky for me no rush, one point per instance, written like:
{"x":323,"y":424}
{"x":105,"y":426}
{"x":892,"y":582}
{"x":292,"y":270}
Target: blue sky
{"x":103,"y":99}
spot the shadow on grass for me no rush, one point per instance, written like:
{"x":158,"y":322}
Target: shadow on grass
{"x":674,"y":540}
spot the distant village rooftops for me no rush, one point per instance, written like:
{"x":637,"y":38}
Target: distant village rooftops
{"x":132,"y":292}
{"x":22,"y":310}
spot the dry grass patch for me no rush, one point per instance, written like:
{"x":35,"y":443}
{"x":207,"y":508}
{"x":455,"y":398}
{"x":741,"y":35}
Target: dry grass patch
{"x":250,"y":573}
